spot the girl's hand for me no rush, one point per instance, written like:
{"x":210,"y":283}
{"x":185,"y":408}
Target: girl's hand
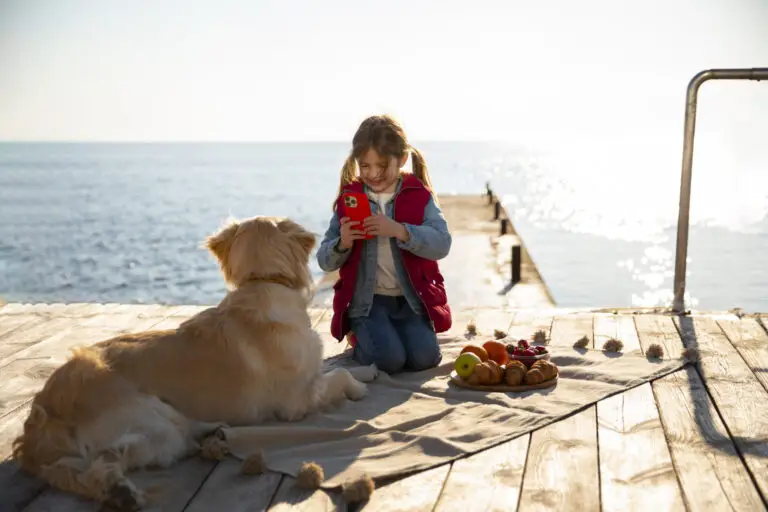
{"x":381,"y":225}
{"x":348,"y":233}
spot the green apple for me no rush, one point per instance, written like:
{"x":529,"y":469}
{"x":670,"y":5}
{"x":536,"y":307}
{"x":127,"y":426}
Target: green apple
{"x":465,"y":364}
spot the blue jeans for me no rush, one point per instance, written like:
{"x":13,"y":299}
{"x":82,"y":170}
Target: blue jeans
{"x":394,"y":337}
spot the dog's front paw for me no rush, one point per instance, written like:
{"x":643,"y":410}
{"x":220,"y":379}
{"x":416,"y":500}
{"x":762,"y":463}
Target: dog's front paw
{"x":214,"y":448}
{"x":356,"y":390}
{"x":124,"y":497}
{"x":365,"y":373}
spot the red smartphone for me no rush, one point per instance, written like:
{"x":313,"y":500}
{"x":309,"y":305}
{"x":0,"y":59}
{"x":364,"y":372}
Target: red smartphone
{"x":357,"y":208}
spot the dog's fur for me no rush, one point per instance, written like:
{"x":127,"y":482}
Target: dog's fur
{"x":149,"y":399}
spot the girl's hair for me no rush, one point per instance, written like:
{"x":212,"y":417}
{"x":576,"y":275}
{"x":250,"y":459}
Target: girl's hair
{"x":386,"y":136}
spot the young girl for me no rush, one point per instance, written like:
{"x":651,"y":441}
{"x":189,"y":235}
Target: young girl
{"x":390,"y":292}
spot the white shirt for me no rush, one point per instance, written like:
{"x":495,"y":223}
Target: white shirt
{"x":386,"y":276}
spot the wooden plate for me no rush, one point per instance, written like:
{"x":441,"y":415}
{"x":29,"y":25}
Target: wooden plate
{"x":501,"y":387}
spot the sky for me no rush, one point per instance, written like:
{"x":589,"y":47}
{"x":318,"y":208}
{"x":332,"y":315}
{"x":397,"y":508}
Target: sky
{"x":532,"y":72}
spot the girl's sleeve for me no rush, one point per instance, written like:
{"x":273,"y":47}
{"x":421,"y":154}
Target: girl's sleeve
{"x":431,"y":240}
{"x":329,"y":256}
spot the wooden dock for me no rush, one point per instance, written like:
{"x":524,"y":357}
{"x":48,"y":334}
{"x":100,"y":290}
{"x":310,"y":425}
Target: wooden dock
{"x":694,"y":440}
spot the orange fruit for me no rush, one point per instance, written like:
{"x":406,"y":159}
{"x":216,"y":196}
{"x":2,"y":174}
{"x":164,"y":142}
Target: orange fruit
{"x":477,"y":350}
{"x":497,"y":351}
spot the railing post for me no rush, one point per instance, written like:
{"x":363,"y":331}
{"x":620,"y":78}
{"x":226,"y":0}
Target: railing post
{"x":683,"y":214}
{"x":517,"y":261}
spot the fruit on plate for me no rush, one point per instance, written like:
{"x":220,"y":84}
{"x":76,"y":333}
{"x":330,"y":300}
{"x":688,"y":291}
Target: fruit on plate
{"x":465,"y":364}
{"x":541,"y":371}
{"x":488,"y":373}
{"x":497,"y":351}
{"x":477,"y":350}
{"x":524,"y":347}
{"x":515,"y":373}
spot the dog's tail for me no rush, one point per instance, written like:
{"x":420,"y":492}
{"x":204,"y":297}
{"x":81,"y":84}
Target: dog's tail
{"x":66,"y":401}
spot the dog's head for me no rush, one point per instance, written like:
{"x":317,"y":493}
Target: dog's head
{"x":267,"y":248}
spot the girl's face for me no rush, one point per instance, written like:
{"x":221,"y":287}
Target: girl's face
{"x":379,"y":173}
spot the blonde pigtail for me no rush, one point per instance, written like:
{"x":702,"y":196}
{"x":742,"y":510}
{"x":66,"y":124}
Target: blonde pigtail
{"x":421,"y":171}
{"x":348,"y":173}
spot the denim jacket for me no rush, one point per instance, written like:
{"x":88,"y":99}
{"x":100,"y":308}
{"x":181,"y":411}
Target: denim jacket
{"x":430,"y":240}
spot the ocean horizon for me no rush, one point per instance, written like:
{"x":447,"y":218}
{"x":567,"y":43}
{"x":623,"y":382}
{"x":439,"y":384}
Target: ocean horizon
{"x":124,"y":221}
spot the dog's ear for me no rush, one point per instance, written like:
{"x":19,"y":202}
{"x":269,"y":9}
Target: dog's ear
{"x":305,"y":238}
{"x":220,"y":243}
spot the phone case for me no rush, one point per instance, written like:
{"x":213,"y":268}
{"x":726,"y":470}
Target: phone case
{"x":357,"y":208}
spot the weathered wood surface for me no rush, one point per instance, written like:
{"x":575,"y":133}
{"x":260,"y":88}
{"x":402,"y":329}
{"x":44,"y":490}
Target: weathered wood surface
{"x":693,"y":440}
{"x":636,"y":470}
{"x":711,"y":473}
{"x":562,"y":466}
{"x":740,"y":399}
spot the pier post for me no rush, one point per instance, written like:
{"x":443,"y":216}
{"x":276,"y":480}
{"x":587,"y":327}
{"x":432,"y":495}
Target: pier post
{"x":517,"y":260}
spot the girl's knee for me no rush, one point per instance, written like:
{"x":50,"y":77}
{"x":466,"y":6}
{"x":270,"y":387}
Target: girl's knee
{"x":425,"y":357}
{"x":390,"y":362}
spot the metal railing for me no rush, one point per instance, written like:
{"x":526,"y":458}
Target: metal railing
{"x":681,"y":254}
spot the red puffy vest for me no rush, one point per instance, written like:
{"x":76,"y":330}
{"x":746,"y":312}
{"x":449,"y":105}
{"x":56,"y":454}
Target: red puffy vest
{"x":423,"y":274}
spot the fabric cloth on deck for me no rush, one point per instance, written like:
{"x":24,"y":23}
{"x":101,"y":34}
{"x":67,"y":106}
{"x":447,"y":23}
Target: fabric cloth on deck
{"x":415,"y":421}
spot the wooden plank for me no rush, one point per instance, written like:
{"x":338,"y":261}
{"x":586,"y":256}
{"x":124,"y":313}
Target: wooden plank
{"x":621,"y":327}
{"x":488,"y":481}
{"x":487,"y":320}
{"x":497,"y":470}
{"x":562,"y":467}
{"x":12,"y":327}
{"x":461,"y":318}
{"x":24,"y":376}
{"x":636,"y":470}
{"x":566,"y":330}
{"x":24,"y":487}
{"x":172,"y":489}
{"x":527,"y":322}
{"x":55,"y":328}
{"x":561,"y":472}
{"x":18,"y":487}
{"x":43,"y":309}
{"x":227,"y":489}
{"x":739,"y":397}
{"x":291,"y":497}
{"x":711,"y":474}
{"x":659,"y":330}
{"x":15,"y":344}
{"x":10,"y":323}
{"x":751,"y":341}
{"x":416,"y":493}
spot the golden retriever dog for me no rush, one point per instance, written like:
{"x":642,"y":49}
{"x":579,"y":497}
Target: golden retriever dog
{"x":150,"y":399}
